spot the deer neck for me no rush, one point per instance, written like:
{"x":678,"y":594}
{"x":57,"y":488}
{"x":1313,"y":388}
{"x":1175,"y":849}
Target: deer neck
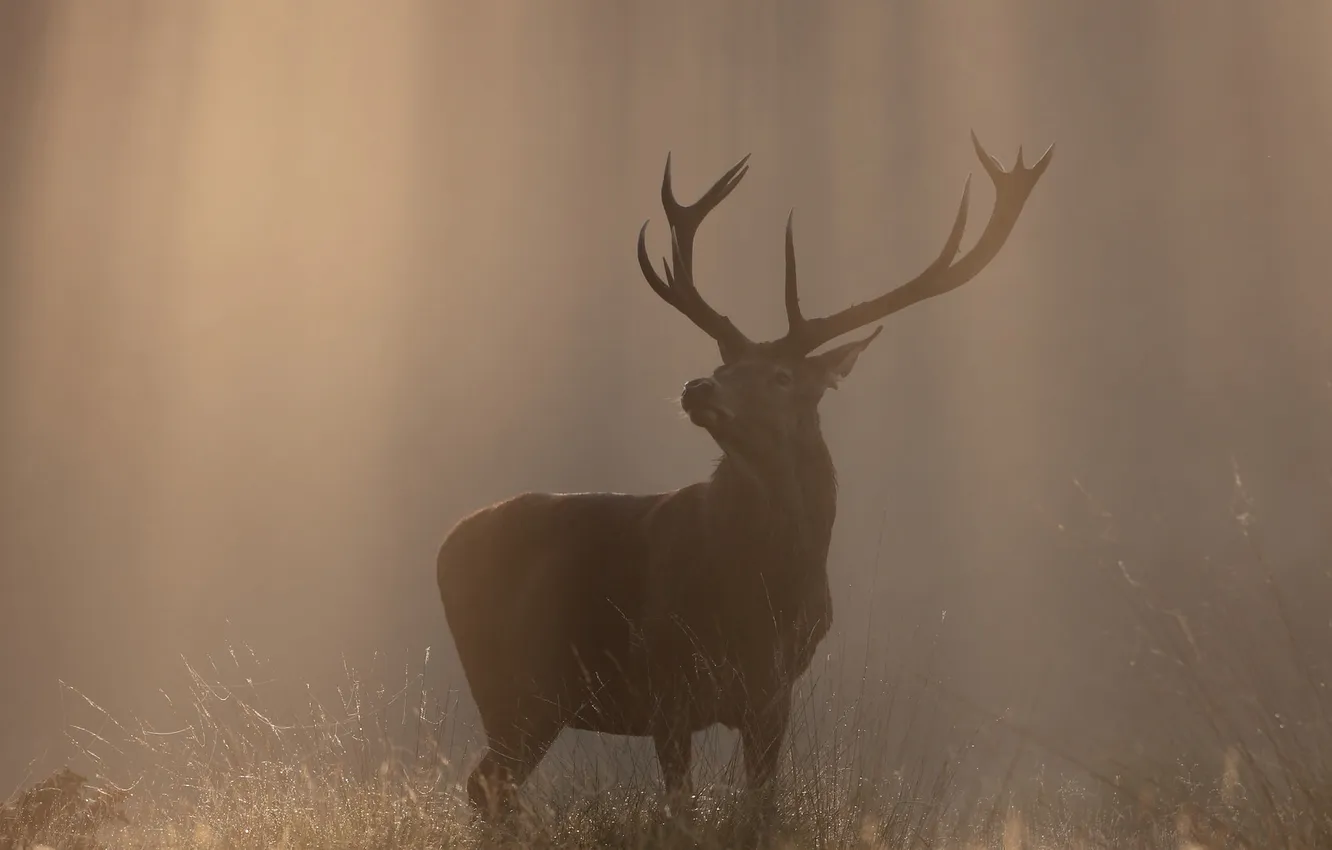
{"x":781,"y":509}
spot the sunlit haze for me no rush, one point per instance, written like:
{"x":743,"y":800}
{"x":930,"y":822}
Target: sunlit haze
{"x":286,"y":289}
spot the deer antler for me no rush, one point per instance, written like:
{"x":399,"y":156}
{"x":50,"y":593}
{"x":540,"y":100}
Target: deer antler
{"x":678,"y":288}
{"x":1011,"y":189}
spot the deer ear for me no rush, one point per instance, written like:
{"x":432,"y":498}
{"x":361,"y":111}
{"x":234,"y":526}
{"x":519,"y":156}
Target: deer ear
{"x":838,"y":362}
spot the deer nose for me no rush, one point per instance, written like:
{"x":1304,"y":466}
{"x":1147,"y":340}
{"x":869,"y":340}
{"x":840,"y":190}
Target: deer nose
{"x":699,"y":389}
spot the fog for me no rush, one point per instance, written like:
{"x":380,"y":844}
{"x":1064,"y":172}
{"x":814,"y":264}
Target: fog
{"x":288,"y":289}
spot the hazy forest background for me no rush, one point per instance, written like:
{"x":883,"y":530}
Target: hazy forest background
{"x":287,"y":289}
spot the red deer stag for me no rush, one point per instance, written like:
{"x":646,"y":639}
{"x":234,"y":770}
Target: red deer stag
{"x":660,"y":615}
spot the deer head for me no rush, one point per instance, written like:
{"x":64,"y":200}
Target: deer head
{"x":765,"y":395}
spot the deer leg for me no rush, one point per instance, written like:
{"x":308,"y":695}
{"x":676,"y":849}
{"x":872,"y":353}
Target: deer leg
{"x":491,"y":788}
{"x":762,"y":734}
{"x":514,"y":749}
{"x":675,"y":755}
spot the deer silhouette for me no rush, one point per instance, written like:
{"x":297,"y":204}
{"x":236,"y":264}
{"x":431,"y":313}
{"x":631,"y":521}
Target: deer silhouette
{"x":660,"y":615}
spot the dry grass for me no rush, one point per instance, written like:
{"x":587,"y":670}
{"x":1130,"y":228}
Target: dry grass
{"x":227,"y":774}
{"x":381,"y":767}
{"x":230,"y":775}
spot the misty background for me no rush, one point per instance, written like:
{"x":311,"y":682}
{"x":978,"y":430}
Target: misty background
{"x":288,"y":289}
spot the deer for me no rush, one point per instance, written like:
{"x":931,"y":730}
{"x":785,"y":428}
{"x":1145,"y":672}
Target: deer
{"x":660,"y":615}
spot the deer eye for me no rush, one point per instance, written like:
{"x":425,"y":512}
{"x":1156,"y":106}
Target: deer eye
{"x":783,"y":379}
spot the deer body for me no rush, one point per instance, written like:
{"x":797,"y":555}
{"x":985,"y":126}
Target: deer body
{"x":655,"y":615}
{"x":599,"y":601}
{"x":661,"y":615}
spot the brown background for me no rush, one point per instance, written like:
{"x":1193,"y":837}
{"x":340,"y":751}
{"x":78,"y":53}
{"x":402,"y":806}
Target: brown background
{"x":288,"y":288}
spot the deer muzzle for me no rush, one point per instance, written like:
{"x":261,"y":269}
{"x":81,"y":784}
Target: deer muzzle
{"x":701,"y":401}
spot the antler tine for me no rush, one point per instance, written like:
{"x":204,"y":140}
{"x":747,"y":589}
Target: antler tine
{"x":1011,"y":190}
{"x":794,"y":318}
{"x":678,"y":288}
